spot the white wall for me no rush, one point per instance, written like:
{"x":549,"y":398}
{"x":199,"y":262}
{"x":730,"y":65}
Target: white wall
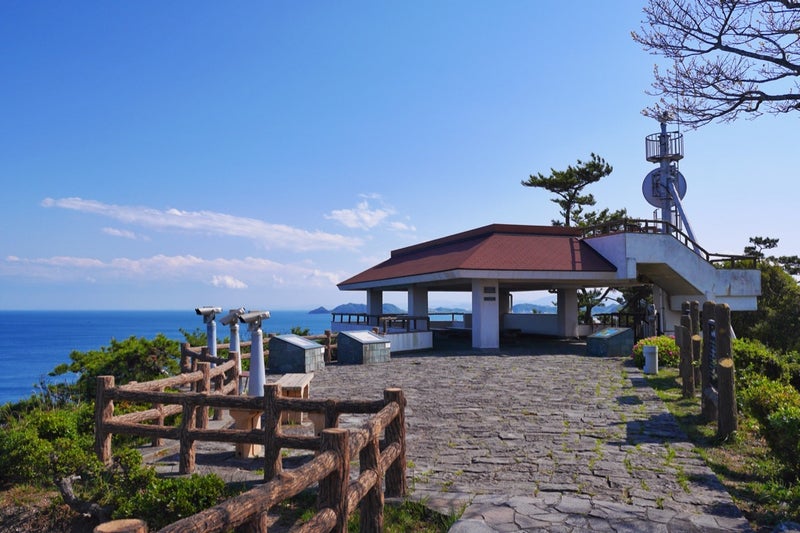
{"x":416,"y":340}
{"x":532,"y":323}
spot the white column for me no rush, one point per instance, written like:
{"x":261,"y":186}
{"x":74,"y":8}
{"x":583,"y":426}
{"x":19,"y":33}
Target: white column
{"x":418,"y":303}
{"x":504,"y":305}
{"x":666,"y":316}
{"x":211,"y":337}
{"x":567,"y":301}
{"x":374,"y":305}
{"x":485,"y":314}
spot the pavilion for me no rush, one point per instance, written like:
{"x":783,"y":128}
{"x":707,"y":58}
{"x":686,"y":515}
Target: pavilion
{"x":494,"y":261}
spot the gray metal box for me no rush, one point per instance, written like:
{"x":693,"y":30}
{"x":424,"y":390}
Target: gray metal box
{"x":362,"y":348}
{"x":292,"y":354}
{"x":611,"y":342}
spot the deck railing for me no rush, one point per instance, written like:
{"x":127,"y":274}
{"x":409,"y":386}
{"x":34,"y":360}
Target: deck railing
{"x":385,"y":323}
{"x":636,"y":225}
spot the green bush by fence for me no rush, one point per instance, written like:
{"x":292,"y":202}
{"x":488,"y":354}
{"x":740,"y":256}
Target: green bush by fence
{"x":668,"y":352}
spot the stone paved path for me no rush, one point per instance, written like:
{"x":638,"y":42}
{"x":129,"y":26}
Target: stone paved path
{"x":529,"y":438}
{"x":525,"y":440}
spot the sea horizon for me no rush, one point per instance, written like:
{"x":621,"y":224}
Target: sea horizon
{"x":34,"y":341}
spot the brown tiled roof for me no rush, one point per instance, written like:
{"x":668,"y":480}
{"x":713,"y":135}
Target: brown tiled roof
{"x":494,"y":247}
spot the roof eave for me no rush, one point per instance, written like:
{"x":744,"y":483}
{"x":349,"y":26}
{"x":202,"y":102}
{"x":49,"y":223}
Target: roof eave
{"x":460,"y":274}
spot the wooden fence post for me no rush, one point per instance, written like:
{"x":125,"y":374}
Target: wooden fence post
{"x":396,"y":432}
{"x":236,"y":373}
{"x":697,"y":343}
{"x":103,"y":412}
{"x":686,"y":309}
{"x":328,"y":349}
{"x":371,"y":506}
{"x":158,"y":441}
{"x":187,"y":453}
{"x":123,"y":525}
{"x":333,"y":487}
{"x":186,"y":358}
{"x":708,"y":407}
{"x":684,"y":340}
{"x":694,"y":313}
{"x":218,"y":385}
{"x":203,"y":386}
{"x":727,"y":421}
{"x":272,"y":421}
{"x":694,"y":316}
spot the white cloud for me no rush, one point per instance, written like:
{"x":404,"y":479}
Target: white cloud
{"x":400,"y":226}
{"x":249,"y":271}
{"x":211,"y":223}
{"x":228,"y":282}
{"x":125,"y":234}
{"x":360,"y":217}
{"x":364,"y":217}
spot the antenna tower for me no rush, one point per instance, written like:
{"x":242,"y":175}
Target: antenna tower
{"x":665,"y":186}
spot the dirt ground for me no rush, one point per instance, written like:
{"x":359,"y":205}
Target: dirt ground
{"x":27,"y":510}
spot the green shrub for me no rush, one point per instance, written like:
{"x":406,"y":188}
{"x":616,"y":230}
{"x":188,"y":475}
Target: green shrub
{"x":301,"y":331}
{"x":754,"y":360}
{"x":133,"y":359}
{"x":668,"y":352}
{"x":783,"y":436}
{"x":763,"y":396}
{"x":167,"y":500}
{"x":776,"y":406}
{"x":43,"y":443}
{"x":24,"y":457}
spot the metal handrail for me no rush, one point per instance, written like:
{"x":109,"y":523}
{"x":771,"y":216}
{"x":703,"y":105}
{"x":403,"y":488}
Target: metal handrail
{"x":639,"y":225}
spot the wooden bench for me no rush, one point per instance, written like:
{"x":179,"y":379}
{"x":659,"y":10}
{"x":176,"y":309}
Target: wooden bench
{"x":294,"y":386}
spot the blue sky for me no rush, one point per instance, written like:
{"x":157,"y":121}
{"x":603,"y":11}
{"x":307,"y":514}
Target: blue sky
{"x":168,"y":155}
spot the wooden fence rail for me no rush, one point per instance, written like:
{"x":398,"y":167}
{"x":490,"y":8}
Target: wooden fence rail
{"x":338,"y":496}
{"x":379,"y":458}
{"x":164,"y":404}
{"x":192,"y":354}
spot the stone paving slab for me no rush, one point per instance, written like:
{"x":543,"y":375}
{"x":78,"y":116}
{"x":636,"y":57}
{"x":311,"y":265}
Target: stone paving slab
{"x":525,"y":440}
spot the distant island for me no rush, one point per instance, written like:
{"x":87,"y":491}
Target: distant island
{"x":355,"y":308}
{"x":393,"y":309}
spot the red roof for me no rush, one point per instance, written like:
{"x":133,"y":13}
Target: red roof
{"x":500,"y":247}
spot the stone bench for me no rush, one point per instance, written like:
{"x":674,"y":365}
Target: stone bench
{"x":295,"y":386}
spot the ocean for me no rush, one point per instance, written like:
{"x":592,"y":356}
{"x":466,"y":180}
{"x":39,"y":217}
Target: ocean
{"x":32,"y":343}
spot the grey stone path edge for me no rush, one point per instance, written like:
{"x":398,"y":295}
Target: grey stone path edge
{"x":542,"y":438}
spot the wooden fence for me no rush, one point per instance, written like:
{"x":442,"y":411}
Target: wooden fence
{"x":330,"y":468}
{"x":151,"y":422}
{"x":338,"y":496}
{"x":197,"y":353}
{"x":707,"y":363}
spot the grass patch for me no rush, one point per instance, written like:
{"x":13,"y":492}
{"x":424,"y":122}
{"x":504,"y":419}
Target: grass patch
{"x":404,"y":516}
{"x":751,"y":474}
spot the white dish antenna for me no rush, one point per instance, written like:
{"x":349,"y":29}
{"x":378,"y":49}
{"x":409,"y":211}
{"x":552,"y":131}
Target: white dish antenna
{"x":655,"y":191}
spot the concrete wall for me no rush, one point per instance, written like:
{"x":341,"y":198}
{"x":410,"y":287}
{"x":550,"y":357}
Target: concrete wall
{"x":541,"y":324}
{"x":531,"y":323}
{"x":634,"y":253}
{"x":405,"y":342}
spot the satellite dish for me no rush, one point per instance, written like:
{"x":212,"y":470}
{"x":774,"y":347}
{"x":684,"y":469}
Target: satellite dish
{"x":656,"y":192}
